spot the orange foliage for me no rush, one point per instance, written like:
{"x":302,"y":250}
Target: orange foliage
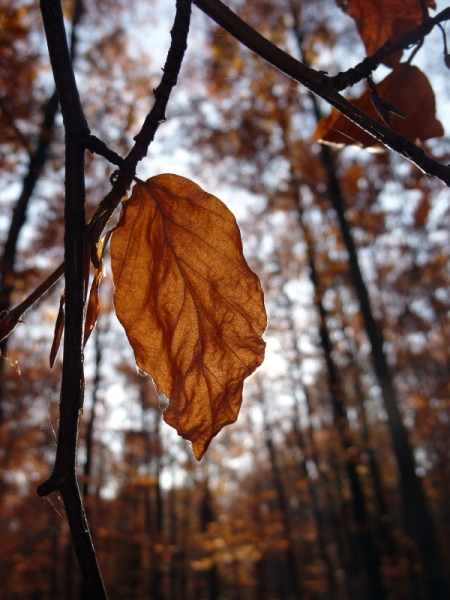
{"x":192,"y":309}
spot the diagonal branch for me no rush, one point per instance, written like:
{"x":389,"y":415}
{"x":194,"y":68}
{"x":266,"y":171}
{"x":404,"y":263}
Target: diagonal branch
{"x":321,"y":85}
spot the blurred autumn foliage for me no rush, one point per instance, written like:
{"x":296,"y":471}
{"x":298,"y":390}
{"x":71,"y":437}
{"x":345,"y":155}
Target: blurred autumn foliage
{"x":333,"y":483}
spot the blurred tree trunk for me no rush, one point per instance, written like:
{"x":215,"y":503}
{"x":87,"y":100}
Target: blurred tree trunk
{"x":178,"y":530}
{"x":154,"y":515}
{"x":375,"y":588}
{"x":294,"y":569}
{"x":207,"y":516}
{"x":417,"y":517}
{"x":305,"y":440}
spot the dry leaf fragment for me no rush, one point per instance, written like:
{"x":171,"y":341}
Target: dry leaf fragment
{"x":59,"y":328}
{"x":93,"y":306}
{"x":408,"y":90}
{"x":191,"y":307}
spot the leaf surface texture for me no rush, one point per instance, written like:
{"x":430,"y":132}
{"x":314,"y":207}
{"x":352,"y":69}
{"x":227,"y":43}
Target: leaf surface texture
{"x":191,"y":307}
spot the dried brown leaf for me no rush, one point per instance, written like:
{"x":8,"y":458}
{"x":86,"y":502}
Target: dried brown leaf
{"x":192,"y":309}
{"x":409,"y":91}
{"x":93,"y":306}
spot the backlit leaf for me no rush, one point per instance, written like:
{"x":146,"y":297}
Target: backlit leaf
{"x":192,"y":309}
{"x":409,"y":90}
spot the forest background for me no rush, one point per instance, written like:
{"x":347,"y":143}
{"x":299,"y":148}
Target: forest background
{"x":334,"y":481}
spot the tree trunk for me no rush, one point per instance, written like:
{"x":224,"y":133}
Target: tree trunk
{"x":375,"y":588}
{"x":418,"y":521}
{"x":283,"y":503}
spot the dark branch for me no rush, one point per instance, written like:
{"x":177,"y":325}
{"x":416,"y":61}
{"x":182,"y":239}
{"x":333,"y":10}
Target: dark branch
{"x":63,"y":477}
{"x":96,"y":146}
{"x":61,"y":61}
{"x":162,"y":93}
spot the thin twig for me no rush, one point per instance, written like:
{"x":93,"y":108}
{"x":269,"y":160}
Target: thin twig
{"x":123,"y":178}
{"x":108,"y":205}
{"x":11,"y":318}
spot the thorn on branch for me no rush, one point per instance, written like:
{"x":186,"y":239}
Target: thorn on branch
{"x":47,"y":487}
{"x":446,"y":54}
{"x":97,"y":146}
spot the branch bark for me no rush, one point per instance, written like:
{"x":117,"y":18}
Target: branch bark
{"x":368,"y":65}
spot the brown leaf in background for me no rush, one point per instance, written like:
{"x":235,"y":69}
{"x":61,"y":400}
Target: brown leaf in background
{"x":192,"y":309}
{"x":381,"y":20}
{"x":422,"y":211}
{"x":408,"y":89}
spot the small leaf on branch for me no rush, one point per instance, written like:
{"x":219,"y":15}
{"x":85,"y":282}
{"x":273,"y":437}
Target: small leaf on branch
{"x":406,"y":93}
{"x":191,"y":307}
{"x":59,"y":328}
{"x":93,"y":304}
